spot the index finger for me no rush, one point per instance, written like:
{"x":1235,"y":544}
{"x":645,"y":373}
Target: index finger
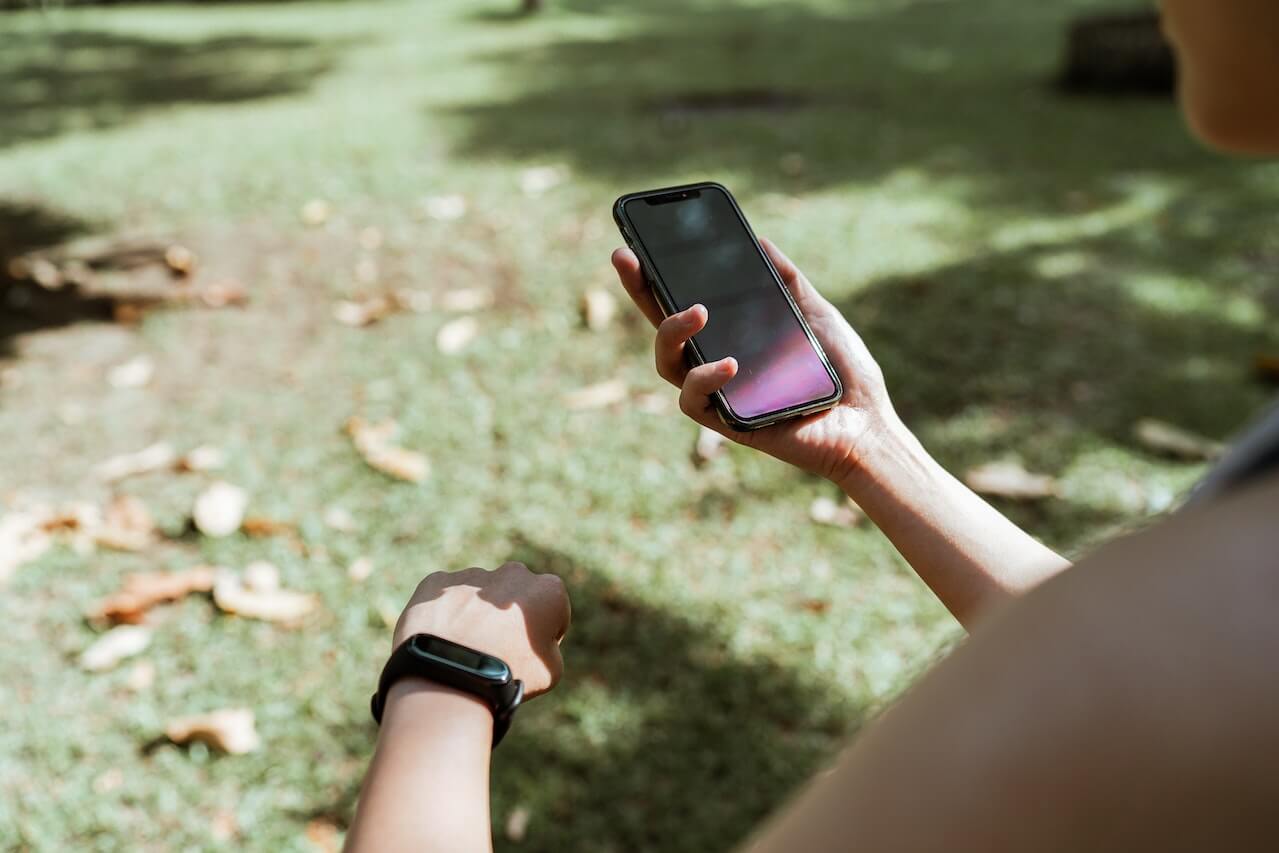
{"x":632,"y":277}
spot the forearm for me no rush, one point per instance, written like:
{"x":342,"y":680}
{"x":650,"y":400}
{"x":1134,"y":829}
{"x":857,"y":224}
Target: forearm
{"x":427,"y":788}
{"x":968,"y":553}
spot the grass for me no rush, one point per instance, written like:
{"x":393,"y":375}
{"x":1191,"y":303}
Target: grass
{"x":1034,"y":272}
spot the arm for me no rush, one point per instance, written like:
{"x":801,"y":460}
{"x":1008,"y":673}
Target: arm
{"x":427,"y":788}
{"x":1128,"y":704}
{"x":969,"y":554}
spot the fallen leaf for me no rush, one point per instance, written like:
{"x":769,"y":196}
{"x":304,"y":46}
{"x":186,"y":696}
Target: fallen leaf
{"x":455,"y":335}
{"x":1010,"y":480}
{"x":23,"y":538}
{"x":141,"y":676}
{"x":261,"y":576}
{"x":230,"y":730}
{"x":360,"y":569}
{"x":232,"y":595}
{"x":365,"y":312}
{"x":445,"y":207}
{"x":539,"y":179}
{"x":1267,"y":366}
{"x":219,"y":509}
{"x":122,"y":641}
{"x":339,"y":519}
{"x":1170,"y":440}
{"x":517,"y":823}
{"x":126,"y":525}
{"x":375,"y":442}
{"x":708,"y":445}
{"x":323,"y":835}
{"x":46,"y":274}
{"x":466,"y":299}
{"x":220,"y":294}
{"x":153,"y":458}
{"x":417,"y":301}
{"x":370,"y":239}
{"x":180,"y":260}
{"x":143,"y":590}
{"x":843,"y":513}
{"x":599,"y":307}
{"x":259,"y":526}
{"x":134,"y":373}
{"x":315,"y":212}
{"x":202,"y":458}
{"x":597,"y":396}
{"x":815,"y":605}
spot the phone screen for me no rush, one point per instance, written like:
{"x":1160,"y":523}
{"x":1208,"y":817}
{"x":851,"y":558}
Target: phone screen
{"x":703,"y":253}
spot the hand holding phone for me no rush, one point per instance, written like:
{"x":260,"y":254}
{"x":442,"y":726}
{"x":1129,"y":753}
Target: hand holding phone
{"x":829,"y":442}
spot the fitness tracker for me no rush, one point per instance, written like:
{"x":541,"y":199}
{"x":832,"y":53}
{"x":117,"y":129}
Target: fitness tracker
{"x":445,"y":662}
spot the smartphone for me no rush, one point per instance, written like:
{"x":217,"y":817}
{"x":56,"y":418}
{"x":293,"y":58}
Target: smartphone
{"x":695,"y":246}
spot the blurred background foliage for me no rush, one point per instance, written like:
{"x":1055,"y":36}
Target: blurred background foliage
{"x":1036,"y":271}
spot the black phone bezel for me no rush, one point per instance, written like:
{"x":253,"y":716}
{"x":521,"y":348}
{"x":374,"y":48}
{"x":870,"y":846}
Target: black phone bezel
{"x":727,"y":415}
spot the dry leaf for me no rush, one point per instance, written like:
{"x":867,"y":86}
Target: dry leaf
{"x":122,"y":641}
{"x":597,"y":396}
{"x":843,"y":513}
{"x":445,"y":207}
{"x":339,"y":519}
{"x":143,"y":590}
{"x":23,"y":538}
{"x":455,"y":335}
{"x":817,"y":606}
{"x":363,"y":313}
{"x":141,"y":676}
{"x":271,"y":604}
{"x":323,"y":835}
{"x":220,"y":294}
{"x":315,"y":212}
{"x":708,"y":445}
{"x":219,"y":509}
{"x":126,"y":525}
{"x":153,"y":458}
{"x":230,"y":730}
{"x":539,"y":179}
{"x":599,"y":307}
{"x":375,"y":442}
{"x":202,"y":458}
{"x":370,"y":239}
{"x":517,"y":823}
{"x":134,"y":373}
{"x":466,"y":299}
{"x":1010,"y":480}
{"x":360,"y":569}
{"x":260,"y":526}
{"x":180,"y":260}
{"x":1170,"y":440}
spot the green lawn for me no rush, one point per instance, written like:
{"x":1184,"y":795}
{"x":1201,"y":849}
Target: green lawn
{"x":1034,"y":272}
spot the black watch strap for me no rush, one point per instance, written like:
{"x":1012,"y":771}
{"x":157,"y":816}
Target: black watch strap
{"x":502,"y":698}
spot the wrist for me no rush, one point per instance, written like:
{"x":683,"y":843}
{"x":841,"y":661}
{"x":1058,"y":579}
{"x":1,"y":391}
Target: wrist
{"x":885,"y":455}
{"x":428,"y":708}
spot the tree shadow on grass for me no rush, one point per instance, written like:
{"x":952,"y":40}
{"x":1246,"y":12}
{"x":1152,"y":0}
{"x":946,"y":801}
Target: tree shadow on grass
{"x":705,"y":744}
{"x":53,"y":81}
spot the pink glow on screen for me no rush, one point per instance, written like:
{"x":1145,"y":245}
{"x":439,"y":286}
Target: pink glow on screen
{"x":787,"y":374}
